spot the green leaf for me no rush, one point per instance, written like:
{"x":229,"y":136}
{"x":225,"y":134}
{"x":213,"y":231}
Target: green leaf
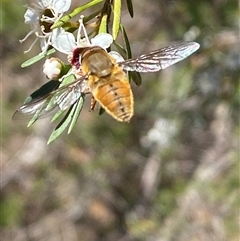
{"x":116,"y":18}
{"x":57,"y":115}
{"x":126,"y":41}
{"x":37,"y":58}
{"x":76,"y":114}
{"x":71,"y":26}
{"x":69,"y":119}
{"x":103,"y":24}
{"x":44,"y":90}
{"x":120,"y":49}
{"x":38,"y":113}
{"x":101,"y":110}
{"x":91,"y":16}
{"x":62,"y":125}
{"x":51,"y":104}
{"x":67,"y":80}
{"x":130,"y":7}
{"x":76,"y":11}
{"x":136,"y":77}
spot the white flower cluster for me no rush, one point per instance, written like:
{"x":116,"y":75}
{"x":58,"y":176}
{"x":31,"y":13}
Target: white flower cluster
{"x":41,"y":18}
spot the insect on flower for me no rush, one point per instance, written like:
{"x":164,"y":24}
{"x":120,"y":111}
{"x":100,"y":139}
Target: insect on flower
{"x":104,"y":77}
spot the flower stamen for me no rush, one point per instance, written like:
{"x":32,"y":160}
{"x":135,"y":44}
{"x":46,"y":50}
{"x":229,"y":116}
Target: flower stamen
{"x":26,"y":51}
{"x":82,"y":28}
{"x":26,"y":37}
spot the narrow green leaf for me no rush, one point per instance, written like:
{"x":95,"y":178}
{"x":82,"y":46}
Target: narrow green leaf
{"x":51,"y":104}
{"x":91,"y":16}
{"x":75,"y":12}
{"x":103,"y":24}
{"x":33,"y":120}
{"x":38,"y":113}
{"x":70,"y":26}
{"x":43,"y":91}
{"x":130,"y":7}
{"x":37,"y":58}
{"x":76,"y":113}
{"x":120,"y":49}
{"x":101,"y":110}
{"x":136,"y":77}
{"x":67,"y":80}
{"x":70,"y":78}
{"x":57,"y":115}
{"x":116,"y":18}
{"x":126,"y":41}
{"x":62,"y":125}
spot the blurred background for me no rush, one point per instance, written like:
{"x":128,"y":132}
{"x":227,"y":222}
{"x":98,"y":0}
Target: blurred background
{"x":172,"y":173}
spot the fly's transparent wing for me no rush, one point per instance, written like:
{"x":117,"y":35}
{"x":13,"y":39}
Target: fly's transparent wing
{"x":37,"y":108}
{"x":160,"y":59}
{"x":75,"y":91}
{"x":37,"y":101}
{"x":62,"y":98}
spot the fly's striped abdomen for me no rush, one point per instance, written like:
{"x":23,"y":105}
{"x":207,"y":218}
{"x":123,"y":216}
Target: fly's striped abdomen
{"x":116,"y":98}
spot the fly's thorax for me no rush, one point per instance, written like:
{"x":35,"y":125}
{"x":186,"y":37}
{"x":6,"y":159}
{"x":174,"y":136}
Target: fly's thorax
{"x":95,"y":61}
{"x":116,"y":74}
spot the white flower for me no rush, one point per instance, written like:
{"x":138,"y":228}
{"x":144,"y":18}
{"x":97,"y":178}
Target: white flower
{"x":65,"y":42}
{"x":41,"y":17}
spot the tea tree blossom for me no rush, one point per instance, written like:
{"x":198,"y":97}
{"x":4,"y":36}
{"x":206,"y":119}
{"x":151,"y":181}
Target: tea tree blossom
{"x":41,"y":17}
{"x":65,"y":42}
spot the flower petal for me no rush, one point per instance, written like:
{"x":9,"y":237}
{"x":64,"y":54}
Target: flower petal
{"x":45,"y":3}
{"x":118,"y":57}
{"x":61,"y":6}
{"x":103,"y":40}
{"x":43,"y":44}
{"x":31,"y":16}
{"x":63,"y":41}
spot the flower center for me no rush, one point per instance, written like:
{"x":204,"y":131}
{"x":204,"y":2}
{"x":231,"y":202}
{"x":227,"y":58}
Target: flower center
{"x":45,"y":22}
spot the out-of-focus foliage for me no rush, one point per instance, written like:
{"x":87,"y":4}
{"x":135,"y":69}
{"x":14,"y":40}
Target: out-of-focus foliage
{"x":171,"y":174}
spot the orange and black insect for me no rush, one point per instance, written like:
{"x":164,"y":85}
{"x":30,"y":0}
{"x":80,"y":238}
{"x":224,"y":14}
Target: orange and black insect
{"x":106,"y":80}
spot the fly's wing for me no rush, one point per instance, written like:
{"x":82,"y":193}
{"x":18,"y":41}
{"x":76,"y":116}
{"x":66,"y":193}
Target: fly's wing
{"x":40,"y":105}
{"x":160,"y":59}
{"x":36,"y":101}
{"x":43,"y":91}
{"x":74,"y":91}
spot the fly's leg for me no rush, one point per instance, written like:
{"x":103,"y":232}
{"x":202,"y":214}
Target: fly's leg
{"x":93,"y":104}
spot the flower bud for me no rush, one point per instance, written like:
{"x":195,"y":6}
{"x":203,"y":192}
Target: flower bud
{"x":52,"y":68}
